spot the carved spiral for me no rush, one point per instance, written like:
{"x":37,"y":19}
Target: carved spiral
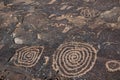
{"x":113,"y":65}
{"x":74,"y":59}
{"x":27,"y":56}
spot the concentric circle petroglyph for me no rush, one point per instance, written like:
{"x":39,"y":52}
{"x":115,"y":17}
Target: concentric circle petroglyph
{"x":27,"y":56}
{"x":113,"y":65}
{"x":74,"y":59}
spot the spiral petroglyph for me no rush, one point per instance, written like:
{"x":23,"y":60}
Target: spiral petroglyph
{"x":74,"y":59}
{"x":113,"y":65}
{"x":27,"y":56}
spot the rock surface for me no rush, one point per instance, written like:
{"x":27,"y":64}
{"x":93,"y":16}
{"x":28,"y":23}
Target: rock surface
{"x":59,"y":39}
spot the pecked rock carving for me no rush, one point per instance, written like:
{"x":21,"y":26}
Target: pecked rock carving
{"x":113,"y":65}
{"x":27,"y":56}
{"x":74,"y":59}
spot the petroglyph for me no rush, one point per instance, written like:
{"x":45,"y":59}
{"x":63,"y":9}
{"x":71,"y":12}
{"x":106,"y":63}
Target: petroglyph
{"x":27,"y":56}
{"x":113,"y":65}
{"x":74,"y":59}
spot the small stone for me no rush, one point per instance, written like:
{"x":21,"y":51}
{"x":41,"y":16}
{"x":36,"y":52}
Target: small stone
{"x":18,"y":41}
{"x":39,"y":36}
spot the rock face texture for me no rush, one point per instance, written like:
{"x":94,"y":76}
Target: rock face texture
{"x":59,"y":39}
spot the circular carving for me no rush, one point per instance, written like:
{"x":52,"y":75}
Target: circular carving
{"x":27,"y":56}
{"x":74,"y":59}
{"x":113,"y":65}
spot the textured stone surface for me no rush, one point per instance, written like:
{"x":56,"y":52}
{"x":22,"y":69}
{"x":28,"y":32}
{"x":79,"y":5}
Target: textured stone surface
{"x":59,"y":39}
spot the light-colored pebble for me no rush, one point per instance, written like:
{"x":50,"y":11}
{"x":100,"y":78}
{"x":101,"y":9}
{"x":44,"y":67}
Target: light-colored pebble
{"x":39,"y":36}
{"x":18,"y":41}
